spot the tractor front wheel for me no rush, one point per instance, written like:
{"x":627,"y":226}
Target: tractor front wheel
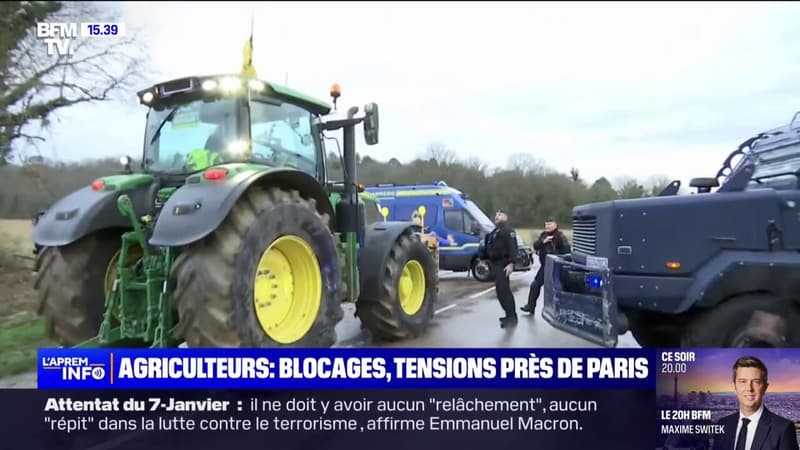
{"x":71,"y":282}
{"x":267,"y":277}
{"x":405,"y":307}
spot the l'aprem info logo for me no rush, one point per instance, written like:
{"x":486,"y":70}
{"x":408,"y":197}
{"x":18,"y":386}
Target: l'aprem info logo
{"x":79,"y":369}
{"x":60,"y":37}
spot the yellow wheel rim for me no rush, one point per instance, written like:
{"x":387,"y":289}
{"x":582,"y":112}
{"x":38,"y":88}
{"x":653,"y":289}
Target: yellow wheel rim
{"x":287,"y":289}
{"x":411,"y":288}
{"x":134,"y":253}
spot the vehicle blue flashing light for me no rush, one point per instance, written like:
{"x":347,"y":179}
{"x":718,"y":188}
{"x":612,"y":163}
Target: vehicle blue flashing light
{"x":594,"y":281}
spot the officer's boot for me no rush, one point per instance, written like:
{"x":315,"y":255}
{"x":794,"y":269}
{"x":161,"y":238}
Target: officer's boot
{"x":506,"y":322}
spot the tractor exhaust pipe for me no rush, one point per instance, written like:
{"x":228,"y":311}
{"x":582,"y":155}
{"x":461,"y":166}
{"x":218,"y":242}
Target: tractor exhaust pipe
{"x":351,"y":188}
{"x":349,"y":137}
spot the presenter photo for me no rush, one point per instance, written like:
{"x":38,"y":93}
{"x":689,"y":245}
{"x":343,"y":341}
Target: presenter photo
{"x":754,"y":427}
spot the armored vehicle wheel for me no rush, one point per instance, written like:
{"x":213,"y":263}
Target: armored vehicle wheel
{"x":655,"y":330}
{"x":756,"y":320}
{"x":650,"y":337}
{"x":405,"y":307}
{"x":481,"y":270}
{"x":269,"y":276}
{"x":72,"y":283}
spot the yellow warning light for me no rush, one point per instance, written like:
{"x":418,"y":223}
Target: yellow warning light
{"x":336,"y":90}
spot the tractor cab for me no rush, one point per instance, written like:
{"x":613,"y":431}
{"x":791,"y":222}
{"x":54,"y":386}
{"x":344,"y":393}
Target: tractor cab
{"x":195,"y":123}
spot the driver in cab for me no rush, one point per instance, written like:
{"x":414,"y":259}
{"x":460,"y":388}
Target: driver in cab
{"x":209,"y":155}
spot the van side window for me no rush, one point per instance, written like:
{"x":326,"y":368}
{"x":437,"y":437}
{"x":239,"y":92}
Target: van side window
{"x":454,"y":220}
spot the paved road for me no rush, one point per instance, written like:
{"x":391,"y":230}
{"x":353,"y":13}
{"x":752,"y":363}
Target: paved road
{"x":466,"y":316}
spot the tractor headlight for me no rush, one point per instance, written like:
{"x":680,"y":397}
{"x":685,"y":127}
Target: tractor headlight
{"x":125,"y":160}
{"x":209,"y":85}
{"x":147,"y":97}
{"x":230,"y":84}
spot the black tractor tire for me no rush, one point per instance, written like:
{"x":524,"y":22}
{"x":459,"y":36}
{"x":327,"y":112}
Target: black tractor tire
{"x":752,"y":320}
{"x":481,"y":270}
{"x":383,"y":316}
{"x":215,"y":276}
{"x":70,"y":285}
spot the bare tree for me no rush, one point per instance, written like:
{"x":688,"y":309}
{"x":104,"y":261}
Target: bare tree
{"x":575,"y":174}
{"x":526,"y":164}
{"x":35,"y":85}
{"x":441,"y":154}
{"x":476,"y":164}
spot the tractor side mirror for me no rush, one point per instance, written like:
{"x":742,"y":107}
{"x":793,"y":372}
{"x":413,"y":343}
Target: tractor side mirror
{"x":126,"y":161}
{"x":371,"y":123}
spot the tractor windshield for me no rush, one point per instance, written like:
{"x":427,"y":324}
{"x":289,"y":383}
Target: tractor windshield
{"x":189,"y":137}
{"x":193,"y":136}
{"x":282,"y":135}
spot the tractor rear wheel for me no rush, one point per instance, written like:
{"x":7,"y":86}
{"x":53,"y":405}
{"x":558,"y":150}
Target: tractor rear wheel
{"x":405,"y":307}
{"x":71,"y":282}
{"x":269,"y":276}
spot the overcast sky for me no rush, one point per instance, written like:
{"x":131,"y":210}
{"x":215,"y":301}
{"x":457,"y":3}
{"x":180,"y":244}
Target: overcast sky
{"x":613,"y":89}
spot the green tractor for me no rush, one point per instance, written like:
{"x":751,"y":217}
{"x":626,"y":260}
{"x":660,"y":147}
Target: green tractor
{"x":232,"y":234}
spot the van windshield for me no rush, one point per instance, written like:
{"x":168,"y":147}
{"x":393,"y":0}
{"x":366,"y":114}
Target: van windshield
{"x":479,"y":215}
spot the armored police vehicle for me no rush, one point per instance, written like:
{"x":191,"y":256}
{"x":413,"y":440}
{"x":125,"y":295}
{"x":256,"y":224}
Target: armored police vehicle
{"x":710,"y":269}
{"x":458,"y":221}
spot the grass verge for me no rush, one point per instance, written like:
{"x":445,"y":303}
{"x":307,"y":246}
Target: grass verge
{"x":22,"y":330}
{"x":19,"y":344}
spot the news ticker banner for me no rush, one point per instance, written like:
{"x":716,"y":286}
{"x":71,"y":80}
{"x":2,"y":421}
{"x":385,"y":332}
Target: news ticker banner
{"x":558,"y":419}
{"x":363,"y":368}
{"x":558,"y":398}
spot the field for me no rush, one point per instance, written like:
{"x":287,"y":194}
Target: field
{"x":21,"y":329}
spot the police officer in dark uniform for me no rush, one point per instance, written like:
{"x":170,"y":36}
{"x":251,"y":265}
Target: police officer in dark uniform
{"x":501,"y":250}
{"x":550,"y":242}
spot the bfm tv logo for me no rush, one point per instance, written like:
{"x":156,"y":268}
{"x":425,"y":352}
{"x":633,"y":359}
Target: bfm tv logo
{"x":57,"y":37}
{"x":78,"y":369}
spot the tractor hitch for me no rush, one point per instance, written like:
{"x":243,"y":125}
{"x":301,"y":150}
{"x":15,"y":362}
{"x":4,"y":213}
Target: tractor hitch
{"x":137,"y":307}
